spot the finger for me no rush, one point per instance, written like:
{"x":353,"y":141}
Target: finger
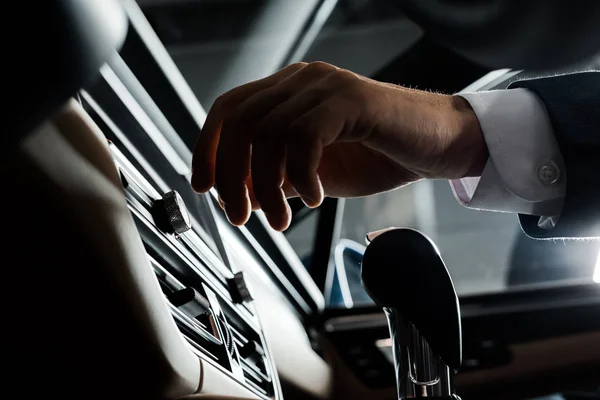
{"x":268,"y":157}
{"x":287,"y":188}
{"x":204,"y":159}
{"x":232,"y":167}
{"x":232,"y":164}
{"x":232,"y":170}
{"x":307,"y":135}
{"x":268,"y":164}
{"x":253,"y":202}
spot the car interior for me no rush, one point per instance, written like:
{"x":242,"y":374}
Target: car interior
{"x":143,"y":290}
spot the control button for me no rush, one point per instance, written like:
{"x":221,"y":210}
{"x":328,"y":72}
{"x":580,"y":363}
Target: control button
{"x":239,"y":289}
{"x":171,"y":215}
{"x":252,"y":351}
{"x":188,"y":300}
{"x":548,"y":173}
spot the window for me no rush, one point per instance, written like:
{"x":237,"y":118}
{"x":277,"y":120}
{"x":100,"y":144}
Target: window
{"x":484,"y":251}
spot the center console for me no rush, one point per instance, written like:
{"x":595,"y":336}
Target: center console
{"x":203,"y":285}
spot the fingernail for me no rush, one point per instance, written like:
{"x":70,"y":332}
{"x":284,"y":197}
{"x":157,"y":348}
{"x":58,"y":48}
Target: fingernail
{"x":309,"y":201}
{"x":198,"y":188}
{"x":233,"y":215}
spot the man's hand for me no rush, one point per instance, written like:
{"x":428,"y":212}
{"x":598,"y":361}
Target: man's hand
{"x":315,"y":130}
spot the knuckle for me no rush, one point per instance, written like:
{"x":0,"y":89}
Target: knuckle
{"x":319,"y":67}
{"x":345,"y":78}
{"x":298,"y":65}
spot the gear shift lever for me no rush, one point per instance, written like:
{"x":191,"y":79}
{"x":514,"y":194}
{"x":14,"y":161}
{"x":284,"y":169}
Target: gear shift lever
{"x":403,"y":272}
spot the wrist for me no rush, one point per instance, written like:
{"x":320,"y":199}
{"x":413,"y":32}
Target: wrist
{"x":468,"y":148}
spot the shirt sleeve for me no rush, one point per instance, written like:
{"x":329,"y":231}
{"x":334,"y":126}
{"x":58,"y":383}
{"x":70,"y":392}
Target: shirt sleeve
{"x":525,"y":172}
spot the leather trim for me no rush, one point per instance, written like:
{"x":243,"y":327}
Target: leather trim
{"x":93,"y":305}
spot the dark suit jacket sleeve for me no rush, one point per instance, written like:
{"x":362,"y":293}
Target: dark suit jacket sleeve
{"x":573,"y":105}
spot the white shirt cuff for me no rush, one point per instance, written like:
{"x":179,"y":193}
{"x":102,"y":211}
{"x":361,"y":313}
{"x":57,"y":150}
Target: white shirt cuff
{"x":525,"y":172}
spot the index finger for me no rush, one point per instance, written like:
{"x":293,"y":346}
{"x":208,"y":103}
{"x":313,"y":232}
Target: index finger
{"x":205,"y":151}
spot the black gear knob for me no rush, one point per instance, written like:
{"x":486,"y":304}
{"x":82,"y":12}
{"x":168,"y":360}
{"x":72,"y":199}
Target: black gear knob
{"x":403,"y":272}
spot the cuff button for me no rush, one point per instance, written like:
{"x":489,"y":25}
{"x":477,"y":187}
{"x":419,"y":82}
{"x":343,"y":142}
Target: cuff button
{"x":548,"y":173}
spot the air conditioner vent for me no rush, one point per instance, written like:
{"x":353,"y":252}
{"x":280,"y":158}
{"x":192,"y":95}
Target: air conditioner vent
{"x":215,"y":329}
{"x":201,"y":329}
{"x":250,"y":351}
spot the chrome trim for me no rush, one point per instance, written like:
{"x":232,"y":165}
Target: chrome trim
{"x":194,"y":263}
{"x":293,"y":261}
{"x":243,"y":381}
{"x":151,"y":109}
{"x":241,"y":340}
{"x":197,"y":349}
{"x":176,"y":312}
{"x":232,"y":244}
{"x":144,"y":120}
{"x":164,"y":60}
{"x":420,"y":372}
{"x":340,"y":267}
{"x":356,"y":322}
{"x":205,"y":203}
{"x":130,"y":147}
{"x":596,"y":276}
{"x":254,"y":386}
{"x":192,"y":325}
{"x":197,"y":245}
{"x":255,"y":371}
{"x":254,"y":266}
{"x":165,"y":275}
{"x":335,"y":236}
{"x":273,"y":268}
{"x":133,"y":174}
{"x":248,"y":370}
{"x":223,"y":328}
